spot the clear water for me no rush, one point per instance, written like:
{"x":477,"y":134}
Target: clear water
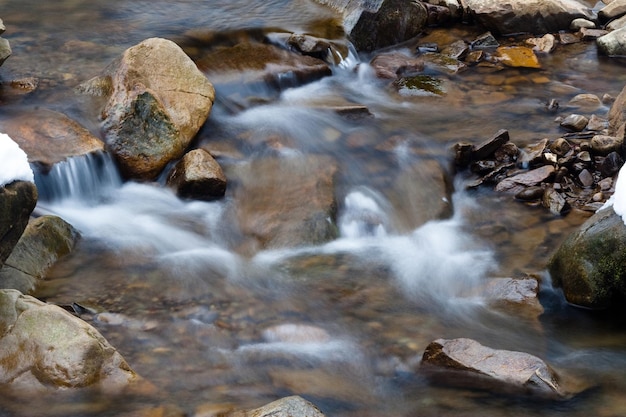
{"x":197,"y":317}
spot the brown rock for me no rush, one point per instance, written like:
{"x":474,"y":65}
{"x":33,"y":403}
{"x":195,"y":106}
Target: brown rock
{"x":545,"y":44}
{"x":394,"y":65}
{"x":197,"y":175}
{"x":525,"y":179}
{"x":487,"y":148}
{"x":250,"y":63}
{"x":157,"y":100}
{"x":575,"y":122}
{"x":467,"y":363}
{"x":617,"y":115}
{"x":269,"y":201}
{"x":49,"y":137}
{"x":604,"y":145}
{"x":554,"y":201}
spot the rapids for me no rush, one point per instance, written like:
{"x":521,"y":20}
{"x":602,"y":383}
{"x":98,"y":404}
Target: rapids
{"x":197,"y":317}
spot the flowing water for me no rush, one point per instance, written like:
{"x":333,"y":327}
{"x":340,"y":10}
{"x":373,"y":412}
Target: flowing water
{"x":342,"y":324}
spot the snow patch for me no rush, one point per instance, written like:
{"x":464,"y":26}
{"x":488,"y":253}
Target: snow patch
{"x":14,"y":164}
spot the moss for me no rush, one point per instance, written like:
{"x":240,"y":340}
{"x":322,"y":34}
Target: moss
{"x":420,"y":85}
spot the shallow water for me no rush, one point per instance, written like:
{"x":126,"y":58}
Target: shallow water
{"x":196,"y":316}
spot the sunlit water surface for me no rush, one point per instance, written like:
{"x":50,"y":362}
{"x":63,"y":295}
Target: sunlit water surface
{"x":343,"y":324}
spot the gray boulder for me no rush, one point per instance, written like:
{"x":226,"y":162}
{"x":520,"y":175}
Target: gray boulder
{"x":467,"y":363}
{"x":157,"y":100}
{"x":45,"y":240}
{"x":376,"y":24}
{"x":613,"y":43}
{"x":527,"y":16}
{"x":590,"y":266}
{"x":197,"y":175}
{"x":17,"y":201}
{"x":43,"y":347}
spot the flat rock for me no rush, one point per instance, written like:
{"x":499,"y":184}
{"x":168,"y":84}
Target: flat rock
{"x":49,"y":137}
{"x":533,"y":177}
{"x":613,"y":43}
{"x":517,"y":57}
{"x":394,"y":65}
{"x":478,"y":366}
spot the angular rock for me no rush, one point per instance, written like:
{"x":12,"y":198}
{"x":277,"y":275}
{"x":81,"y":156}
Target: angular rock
{"x":293,"y":406}
{"x":269,"y":201}
{"x":590,"y":266}
{"x":613,"y":43}
{"x":43,"y":347}
{"x":475,"y":365}
{"x":560,"y":147}
{"x":512,"y":293}
{"x":456,"y":50}
{"x":45,"y":240}
{"x":527,"y":16}
{"x":554,"y":201}
{"x":517,"y":57}
{"x":616,"y":24}
{"x":376,"y":24}
{"x":490,"y":146}
{"x":17,"y":202}
{"x":592,"y":34}
{"x":394,"y":65}
{"x":612,"y":10}
{"x":437,"y":15}
{"x":485,"y":41}
{"x":310,"y":45}
{"x":533,"y":177}
{"x":197,"y":175}
{"x":575,"y":122}
{"x":545,"y":44}
{"x":49,"y":137}
{"x":611,"y":164}
{"x":157,"y":100}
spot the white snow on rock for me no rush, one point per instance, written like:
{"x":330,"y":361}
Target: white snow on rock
{"x":14,"y":164}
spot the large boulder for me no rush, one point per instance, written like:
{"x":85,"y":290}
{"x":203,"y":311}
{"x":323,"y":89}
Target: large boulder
{"x":49,"y":137}
{"x":157,"y":100}
{"x":590,"y":266}
{"x":17,"y":201}
{"x":527,"y":16}
{"x":617,"y":115}
{"x":467,"y":363}
{"x":374,"y":24}
{"x":287,"y":202}
{"x":44,"y":347}
{"x":45,"y":240}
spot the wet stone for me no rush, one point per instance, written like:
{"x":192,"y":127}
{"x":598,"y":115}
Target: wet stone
{"x":488,"y":147}
{"x":485,"y":41}
{"x":530,"y":194}
{"x":545,"y":44}
{"x":555,"y":202}
{"x":533,"y":177}
{"x":580,"y":23}
{"x":395,"y":64}
{"x":517,"y":56}
{"x":507,"y":152}
{"x":592,"y":34}
{"x":560,"y":147}
{"x":586,"y":101}
{"x":575,"y":122}
{"x":456,"y":50}
{"x":603,"y":144}
{"x":597,"y":123}
{"x":611,"y":164}
{"x":567,"y":38}
{"x":585,"y":177}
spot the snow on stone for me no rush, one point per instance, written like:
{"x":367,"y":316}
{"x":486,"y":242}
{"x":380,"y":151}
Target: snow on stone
{"x":13,"y":162}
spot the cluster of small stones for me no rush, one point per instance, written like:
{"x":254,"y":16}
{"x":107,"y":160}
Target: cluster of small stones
{"x":576,"y":170}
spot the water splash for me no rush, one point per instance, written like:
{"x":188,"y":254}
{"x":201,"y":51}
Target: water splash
{"x":363,"y":215}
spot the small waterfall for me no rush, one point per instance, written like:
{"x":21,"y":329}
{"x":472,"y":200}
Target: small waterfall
{"x":86,"y":177}
{"x":363,"y":215}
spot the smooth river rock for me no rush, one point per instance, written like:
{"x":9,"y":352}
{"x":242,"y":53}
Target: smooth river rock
{"x":198,"y":175}
{"x":294,"y":406}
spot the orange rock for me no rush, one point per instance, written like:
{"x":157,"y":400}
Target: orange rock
{"x":517,"y":56}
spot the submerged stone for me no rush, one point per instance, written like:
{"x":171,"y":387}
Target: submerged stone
{"x":420,"y":85}
{"x":517,"y":56}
